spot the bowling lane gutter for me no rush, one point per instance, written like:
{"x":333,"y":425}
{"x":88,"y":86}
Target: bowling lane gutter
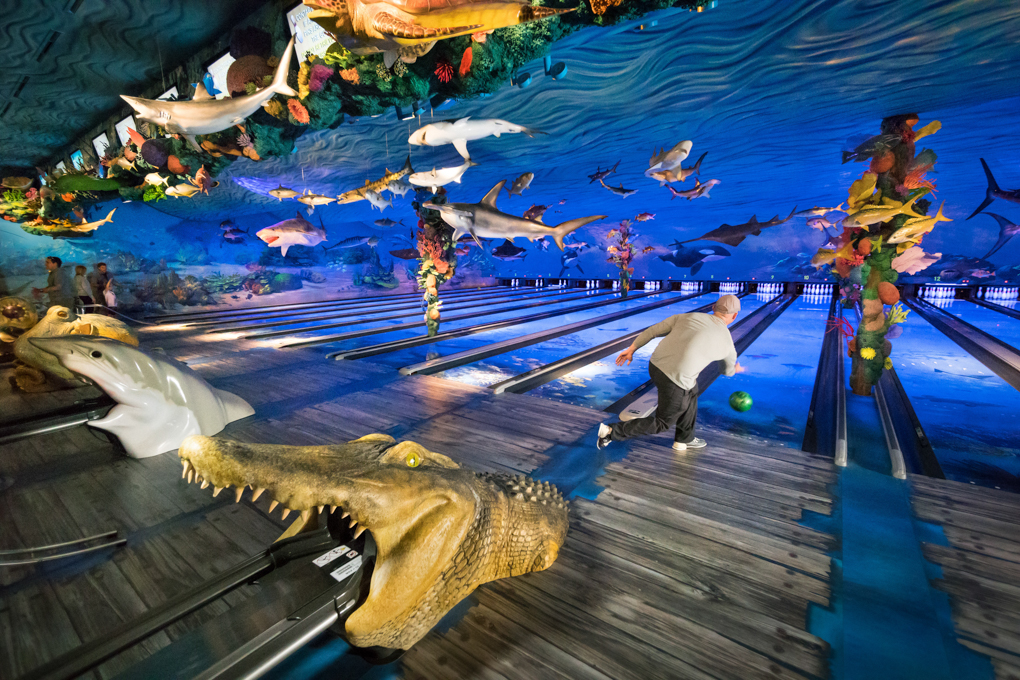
{"x":419,"y":340}
{"x":1013,"y":313}
{"x":825,"y":432}
{"x":511,"y":344}
{"x":327,"y":339}
{"x":176,"y":318}
{"x":537,"y":377}
{"x":1000,"y":358}
{"x":369,"y":315}
{"x":745,"y":332}
{"x":360,"y":308}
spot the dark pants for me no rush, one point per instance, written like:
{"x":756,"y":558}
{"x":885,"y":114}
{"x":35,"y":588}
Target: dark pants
{"x":85,"y":302}
{"x":677,"y":406}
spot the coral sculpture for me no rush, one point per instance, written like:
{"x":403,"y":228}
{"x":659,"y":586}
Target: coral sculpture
{"x":438,"y":258}
{"x":440,"y":530}
{"x":622,"y":252}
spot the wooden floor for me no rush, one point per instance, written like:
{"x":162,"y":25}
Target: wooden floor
{"x":980,"y":567}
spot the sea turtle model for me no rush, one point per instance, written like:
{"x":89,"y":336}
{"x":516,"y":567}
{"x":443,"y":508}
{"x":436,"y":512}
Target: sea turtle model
{"x":408,"y":28}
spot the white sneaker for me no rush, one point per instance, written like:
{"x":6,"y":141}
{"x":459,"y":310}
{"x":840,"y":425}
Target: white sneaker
{"x":604,"y":437}
{"x":697,"y":443}
{"x":679,"y":446}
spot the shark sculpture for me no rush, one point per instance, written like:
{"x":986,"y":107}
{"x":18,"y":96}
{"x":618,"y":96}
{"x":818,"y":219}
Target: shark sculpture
{"x":160,"y":402}
{"x":734,"y":234}
{"x":993,"y":191}
{"x":460,"y":132}
{"x":1007,"y":230}
{"x":440,"y":177}
{"x":484,"y":220}
{"x":204,"y":115}
{"x":296,"y":231}
{"x":669,"y":160}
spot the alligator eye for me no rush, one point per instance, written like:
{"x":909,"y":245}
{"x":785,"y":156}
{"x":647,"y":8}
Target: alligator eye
{"x":96,"y":354}
{"x":413,"y":459}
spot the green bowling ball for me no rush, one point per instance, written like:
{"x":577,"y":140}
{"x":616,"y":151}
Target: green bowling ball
{"x":741,"y":401}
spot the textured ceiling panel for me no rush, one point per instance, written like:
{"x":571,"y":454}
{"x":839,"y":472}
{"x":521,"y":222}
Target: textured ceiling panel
{"x":77,"y":64}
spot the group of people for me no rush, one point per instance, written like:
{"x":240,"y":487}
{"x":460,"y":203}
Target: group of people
{"x":90,"y":293}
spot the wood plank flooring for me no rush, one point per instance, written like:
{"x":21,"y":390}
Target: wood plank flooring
{"x":980,"y":566}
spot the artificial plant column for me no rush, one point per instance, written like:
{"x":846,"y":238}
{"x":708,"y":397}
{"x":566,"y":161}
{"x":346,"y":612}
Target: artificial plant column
{"x":438,"y":260}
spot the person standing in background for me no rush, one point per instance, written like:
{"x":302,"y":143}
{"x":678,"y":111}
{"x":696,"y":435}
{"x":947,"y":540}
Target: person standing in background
{"x":99,"y":278}
{"x":110,"y":297}
{"x":58,"y":285}
{"x":82,"y":289}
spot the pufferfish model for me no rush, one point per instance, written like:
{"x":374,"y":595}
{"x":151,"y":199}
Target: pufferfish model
{"x":409,"y":28}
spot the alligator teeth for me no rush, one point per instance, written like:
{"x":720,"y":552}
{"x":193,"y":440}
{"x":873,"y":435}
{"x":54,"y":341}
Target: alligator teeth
{"x":238,"y":494}
{"x":345,"y":515}
{"x":359,"y":531}
{"x":353,"y":523}
{"x":321,"y":507}
{"x":332,"y":509}
{"x":216,"y":491}
{"x":306,"y":515}
{"x":272,"y":506}
{"x":205,"y":483}
{"x":256,"y":494}
{"x":286,"y":511}
{"x":184,"y":472}
{"x":191,"y":475}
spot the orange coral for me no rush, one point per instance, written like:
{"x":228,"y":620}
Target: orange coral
{"x":465,"y":62}
{"x":298,"y":110}
{"x":351,"y":75}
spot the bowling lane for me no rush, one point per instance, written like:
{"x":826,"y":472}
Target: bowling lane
{"x":601,"y":383}
{"x":503,"y":366}
{"x":487,"y":314}
{"x":557,"y":349}
{"x":996,"y":324}
{"x":970,"y":415}
{"x":780,"y":377}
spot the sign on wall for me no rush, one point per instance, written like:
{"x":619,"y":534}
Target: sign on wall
{"x":309,"y":37}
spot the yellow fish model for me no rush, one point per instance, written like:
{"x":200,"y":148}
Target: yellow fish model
{"x":378,"y":186}
{"x":912,"y":229}
{"x":883,"y":213}
{"x":391,"y":26}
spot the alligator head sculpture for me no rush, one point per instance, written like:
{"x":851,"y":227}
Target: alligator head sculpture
{"x":440,"y":530}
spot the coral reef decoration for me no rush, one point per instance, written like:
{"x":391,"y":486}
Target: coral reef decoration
{"x":444,"y":71}
{"x":886,"y":220}
{"x":298,"y":111}
{"x":599,"y":7}
{"x":320,"y":73}
{"x":621,"y":253}
{"x":248,"y":70}
{"x":351,"y":76}
{"x":438,"y":261}
{"x":465,"y":62}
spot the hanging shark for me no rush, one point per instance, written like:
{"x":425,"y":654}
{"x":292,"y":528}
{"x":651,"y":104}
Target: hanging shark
{"x":993,"y":191}
{"x":734,"y":234}
{"x":1007,"y":230}
{"x":460,"y":132}
{"x":483,"y":220}
{"x":204,"y":115}
{"x":296,"y":231}
{"x":440,"y":177}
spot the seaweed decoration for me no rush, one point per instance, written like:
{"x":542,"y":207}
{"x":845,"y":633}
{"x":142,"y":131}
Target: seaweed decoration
{"x":887,"y":220}
{"x":438,"y":261}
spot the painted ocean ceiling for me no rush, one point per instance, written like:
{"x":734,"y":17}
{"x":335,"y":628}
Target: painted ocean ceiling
{"x":770,"y":93}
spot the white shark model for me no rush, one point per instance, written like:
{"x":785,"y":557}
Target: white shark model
{"x":483,"y":220}
{"x":204,"y":115}
{"x":296,"y":231}
{"x":440,"y":177}
{"x":669,"y":160}
{"x":160,"y":402}
{"x":460,"y":132}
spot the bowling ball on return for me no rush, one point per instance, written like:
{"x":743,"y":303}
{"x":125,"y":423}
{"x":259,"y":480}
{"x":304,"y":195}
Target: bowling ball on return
{"x":741,"y":401}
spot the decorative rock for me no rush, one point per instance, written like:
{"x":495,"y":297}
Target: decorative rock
{"x":888,"y":293}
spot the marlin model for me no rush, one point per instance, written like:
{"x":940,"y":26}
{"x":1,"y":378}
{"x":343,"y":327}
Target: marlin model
{"x":378,"y":186}
{"x":484,"y":220}
{"x":602,"y":174}
{"x":460,"y":132}
{"x":440,"y":177}
{"x":993,"y":192}
{"x":734,"y":234}
{"x":204,"y":115}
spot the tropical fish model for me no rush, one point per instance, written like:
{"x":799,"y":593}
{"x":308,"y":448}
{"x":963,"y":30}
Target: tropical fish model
{"x":160,"y":402}
{"x":440,"y":530}
{"x":460,"y":132}
{"x":484,"y":220}
{"x":387,"y":26}
{"x":204,"y":115}
{"x":296,"y":231}
{"x":378,"y":186}
{"x":520,"y":184}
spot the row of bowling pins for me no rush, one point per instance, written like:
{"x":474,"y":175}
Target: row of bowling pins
{"x":653,"y":285}
{"x":691,"y":286}
{"x":938,"y":292}
{"x":770,"y":288}
{"x":818,"y":289}
{"x":730,"y":288}
{"x":998,"y":293}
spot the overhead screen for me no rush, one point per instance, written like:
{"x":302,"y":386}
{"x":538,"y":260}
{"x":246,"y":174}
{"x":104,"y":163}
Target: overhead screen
{"x":309,"y":37}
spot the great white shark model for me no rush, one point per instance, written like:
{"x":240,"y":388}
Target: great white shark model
{"x":460,"y":132}
{"x":440,"y":177}
{"x":204,"y":115}
{"x":160,"y":402}
{"x":483,"y":220}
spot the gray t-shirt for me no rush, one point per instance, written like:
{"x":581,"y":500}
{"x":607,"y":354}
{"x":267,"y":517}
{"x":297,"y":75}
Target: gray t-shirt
{"x":64,"y":295}
{"x":692,"y":341}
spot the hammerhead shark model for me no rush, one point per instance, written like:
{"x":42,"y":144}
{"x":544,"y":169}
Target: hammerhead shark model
{"x":483,"y":220}
{"x":204,"y":115}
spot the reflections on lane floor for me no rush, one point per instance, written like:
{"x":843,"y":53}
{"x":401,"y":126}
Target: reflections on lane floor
{"x":970,"y":415}
{"x":447,"y":347}
{"x":498,"y":368}
{"x":601,"y":383}
{"x":780,"y":378}
{"x":996,"y":324}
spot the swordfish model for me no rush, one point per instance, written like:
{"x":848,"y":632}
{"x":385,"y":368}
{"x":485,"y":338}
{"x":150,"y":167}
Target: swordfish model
{"x":483,"y":220}
{"x":204,"y":115}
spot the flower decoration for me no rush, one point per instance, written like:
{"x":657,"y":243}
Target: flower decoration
{"x":888,"y":363}
{"x":868,"y":353}
{"x":298,"y":111}
{"x":444,"y":71}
